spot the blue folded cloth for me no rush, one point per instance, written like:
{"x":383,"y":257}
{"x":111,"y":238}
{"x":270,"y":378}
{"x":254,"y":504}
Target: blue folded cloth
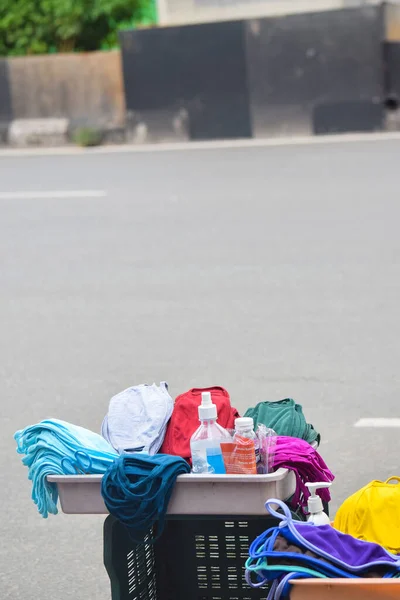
{"x":295,"y":548}
{"x":54,"y":447}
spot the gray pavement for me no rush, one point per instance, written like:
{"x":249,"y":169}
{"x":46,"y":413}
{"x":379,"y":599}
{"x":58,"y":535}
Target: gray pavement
{"x":271,"y":271}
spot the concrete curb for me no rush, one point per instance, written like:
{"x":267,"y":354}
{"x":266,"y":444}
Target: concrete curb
{"x":58,"y":132}
{"x":48,"y":133}
{"x":34,"y":134}
{"x":126,"y":148}
{"x":38,"y":132}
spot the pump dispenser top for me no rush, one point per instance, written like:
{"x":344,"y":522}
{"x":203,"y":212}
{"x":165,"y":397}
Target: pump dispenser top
{"x":315,"y":506}
{"x":207,"y":410}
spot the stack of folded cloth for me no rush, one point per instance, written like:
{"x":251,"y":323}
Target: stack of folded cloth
{"x":54,"y":447}
{"x":298,"y":550}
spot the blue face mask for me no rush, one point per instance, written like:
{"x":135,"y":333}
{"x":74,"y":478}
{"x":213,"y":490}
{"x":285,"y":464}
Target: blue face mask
{"x":54,"y":447}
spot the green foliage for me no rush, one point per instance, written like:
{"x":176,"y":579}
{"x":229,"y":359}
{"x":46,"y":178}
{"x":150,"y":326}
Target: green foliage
{"x":87,"y":136}
{"x":41,"y":26}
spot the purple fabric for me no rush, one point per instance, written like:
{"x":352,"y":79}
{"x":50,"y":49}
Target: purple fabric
{"x":322,"y":549}
{"x":299,"y":456}
{"x":342,"y":549}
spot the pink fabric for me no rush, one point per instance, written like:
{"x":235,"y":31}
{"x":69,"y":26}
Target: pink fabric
{"x":307,"y":464}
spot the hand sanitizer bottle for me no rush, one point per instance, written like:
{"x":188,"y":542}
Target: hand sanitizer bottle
{"x":315,"y":506}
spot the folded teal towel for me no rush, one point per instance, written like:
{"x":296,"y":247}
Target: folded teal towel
{"x":54,"y":447}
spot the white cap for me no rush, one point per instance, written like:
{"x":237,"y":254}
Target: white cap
{"x":314,"y":502}
{"x":244,"y":423}
{"x":207,"y":410}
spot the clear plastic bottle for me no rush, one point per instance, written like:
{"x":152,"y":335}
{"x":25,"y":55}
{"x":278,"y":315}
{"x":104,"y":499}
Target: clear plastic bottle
{"x":244,"y":428}
{"x":205,"y":444}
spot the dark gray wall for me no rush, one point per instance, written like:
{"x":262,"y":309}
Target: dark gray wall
{"x":5,"y":101}
{"x":299,"y":74}
{"x":392,"y":69}
{"x":197,"y":69}
{"x":316,"y":73}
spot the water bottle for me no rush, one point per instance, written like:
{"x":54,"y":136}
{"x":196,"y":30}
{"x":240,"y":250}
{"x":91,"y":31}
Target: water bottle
{"x":205,"y":444}
{"x":244,"y":429}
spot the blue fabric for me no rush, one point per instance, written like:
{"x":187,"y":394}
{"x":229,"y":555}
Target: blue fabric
{"x":137,"y":489}
{"x":54,"y":447}
{"x":337,"y":554}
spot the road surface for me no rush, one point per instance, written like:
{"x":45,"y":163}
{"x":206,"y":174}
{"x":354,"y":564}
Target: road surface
{"x":271,"y":271}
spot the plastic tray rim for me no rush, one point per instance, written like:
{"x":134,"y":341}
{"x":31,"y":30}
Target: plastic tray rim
{"x":278,"y":475}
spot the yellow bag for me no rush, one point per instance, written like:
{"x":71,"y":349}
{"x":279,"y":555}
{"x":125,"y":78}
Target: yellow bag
{"x":373,"y":514}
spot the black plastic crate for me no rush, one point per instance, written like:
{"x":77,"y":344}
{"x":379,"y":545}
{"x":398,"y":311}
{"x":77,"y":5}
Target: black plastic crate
{"x":200,"y":558}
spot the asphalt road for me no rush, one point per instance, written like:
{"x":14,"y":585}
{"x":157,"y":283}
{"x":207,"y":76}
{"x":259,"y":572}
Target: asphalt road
{"x":271,"y":271}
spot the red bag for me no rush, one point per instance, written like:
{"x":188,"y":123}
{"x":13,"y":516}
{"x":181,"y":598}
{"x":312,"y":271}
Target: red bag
{"x":185,"y":419}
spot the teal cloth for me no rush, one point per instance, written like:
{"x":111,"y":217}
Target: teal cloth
{"x":55,"y":447}
{"x":137,"y":488}
{"x":285,"y":417}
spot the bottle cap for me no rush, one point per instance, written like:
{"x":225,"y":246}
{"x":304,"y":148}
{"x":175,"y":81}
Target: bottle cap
{"x":244,"y":423}
{"x":207,"y":410}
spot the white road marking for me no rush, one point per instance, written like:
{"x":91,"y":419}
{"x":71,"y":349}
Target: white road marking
{"x":38,"y":195}
{"x":378,"y":422}
{"x":206,"y":145}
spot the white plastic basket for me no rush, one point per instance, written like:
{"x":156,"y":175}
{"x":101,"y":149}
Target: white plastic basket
{"x":192,"y":495}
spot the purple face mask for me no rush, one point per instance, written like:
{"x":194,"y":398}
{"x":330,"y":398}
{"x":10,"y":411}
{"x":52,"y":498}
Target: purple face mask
{"x":299,"y":456}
